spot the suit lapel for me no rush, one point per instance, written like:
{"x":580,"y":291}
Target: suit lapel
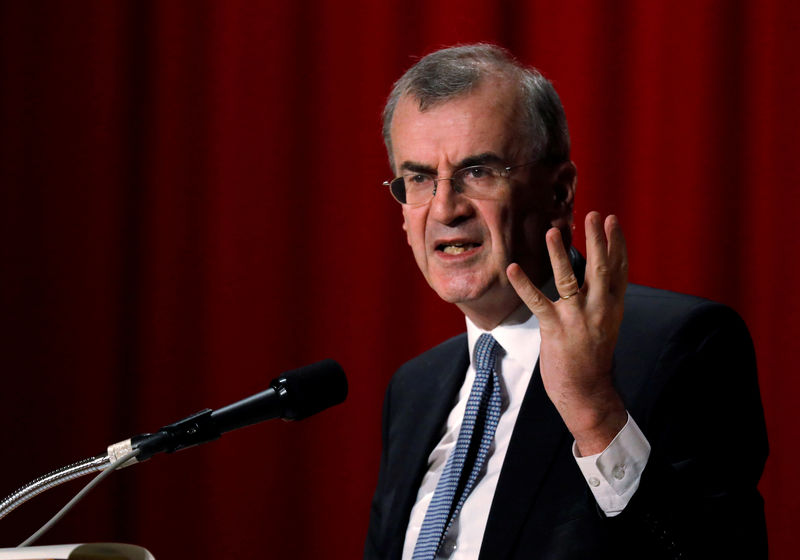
{"x":538,"y":434}
{"x":420,"y":428}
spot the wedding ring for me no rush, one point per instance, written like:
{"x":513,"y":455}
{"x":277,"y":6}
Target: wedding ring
{"x":576,"y":292}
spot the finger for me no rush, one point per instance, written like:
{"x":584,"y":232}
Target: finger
{"x":617,"y":256}
{"x":532,"y":296}
{"x":597,"y":266}
{"x":564,"y":276}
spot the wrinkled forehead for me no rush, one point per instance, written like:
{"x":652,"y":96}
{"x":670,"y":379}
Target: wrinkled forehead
{"x":484,"y":120}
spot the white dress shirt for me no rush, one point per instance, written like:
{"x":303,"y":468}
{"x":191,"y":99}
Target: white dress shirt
{"x":613,"y":475}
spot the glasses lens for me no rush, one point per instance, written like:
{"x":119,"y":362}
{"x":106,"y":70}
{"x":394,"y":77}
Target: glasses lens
{"x":398,"y":189}
{"x":412,"y":188}
{"x":477,"y":181}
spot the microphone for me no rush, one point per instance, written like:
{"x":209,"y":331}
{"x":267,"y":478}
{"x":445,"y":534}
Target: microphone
{"x":294,"y":395}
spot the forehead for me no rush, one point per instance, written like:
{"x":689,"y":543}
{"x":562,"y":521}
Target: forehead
{"x":480,"y":122}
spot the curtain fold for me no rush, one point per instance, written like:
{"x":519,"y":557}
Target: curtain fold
{"x":190,"y":204}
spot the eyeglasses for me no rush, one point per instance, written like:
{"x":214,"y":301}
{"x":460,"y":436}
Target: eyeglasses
{"x":475,"y":181}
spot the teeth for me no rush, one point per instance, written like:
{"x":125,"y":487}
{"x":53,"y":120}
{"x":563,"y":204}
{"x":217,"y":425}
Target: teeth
{"x":457,"y":248}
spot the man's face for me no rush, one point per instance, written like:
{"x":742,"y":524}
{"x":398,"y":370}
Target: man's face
{"x":463,"y":245}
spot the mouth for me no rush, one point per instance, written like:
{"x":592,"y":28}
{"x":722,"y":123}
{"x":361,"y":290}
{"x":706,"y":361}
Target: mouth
{"x":455,"y":248}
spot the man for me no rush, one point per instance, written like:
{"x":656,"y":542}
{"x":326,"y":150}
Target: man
{"x":557,"y":427}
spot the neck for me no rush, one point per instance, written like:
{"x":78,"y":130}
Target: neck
{"x":487,"y":317}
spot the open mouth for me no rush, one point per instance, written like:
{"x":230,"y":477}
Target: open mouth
{"x":456,"y":248}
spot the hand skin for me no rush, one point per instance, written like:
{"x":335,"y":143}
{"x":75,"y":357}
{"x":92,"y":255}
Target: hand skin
{"x":579,"y":333}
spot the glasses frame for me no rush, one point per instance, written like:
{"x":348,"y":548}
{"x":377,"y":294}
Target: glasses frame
{"x":504,"y":172}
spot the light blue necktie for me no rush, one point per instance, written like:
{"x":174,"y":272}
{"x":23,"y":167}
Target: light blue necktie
{"x":480,"y":421}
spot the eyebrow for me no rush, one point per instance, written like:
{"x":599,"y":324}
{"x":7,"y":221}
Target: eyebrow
{"x":477,"y":159}
{"x":416,"y":167}
{"x":481,"y":159}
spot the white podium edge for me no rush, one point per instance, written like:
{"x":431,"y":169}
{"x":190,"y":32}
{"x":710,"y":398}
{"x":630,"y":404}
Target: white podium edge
{"x":84,"y":551}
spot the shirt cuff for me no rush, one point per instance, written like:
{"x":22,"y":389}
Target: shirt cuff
{"x":614,"y":474}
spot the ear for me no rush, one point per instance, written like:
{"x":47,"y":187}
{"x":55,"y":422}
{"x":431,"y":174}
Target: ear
{"x":564,"y":184}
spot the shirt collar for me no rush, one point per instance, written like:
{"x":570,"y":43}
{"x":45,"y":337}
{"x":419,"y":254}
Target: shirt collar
{"x":518,"y":335}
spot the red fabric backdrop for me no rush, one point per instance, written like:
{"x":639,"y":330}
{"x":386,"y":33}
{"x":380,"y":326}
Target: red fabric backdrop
{"x":189,"y":204}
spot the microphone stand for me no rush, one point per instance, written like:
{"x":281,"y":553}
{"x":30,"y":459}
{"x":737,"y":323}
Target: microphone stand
{"x":192,"y":430}
{"x":65,"y":474}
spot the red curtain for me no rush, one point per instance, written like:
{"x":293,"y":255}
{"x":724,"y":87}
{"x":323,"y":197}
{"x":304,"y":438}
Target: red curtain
{"x":190,"y":204}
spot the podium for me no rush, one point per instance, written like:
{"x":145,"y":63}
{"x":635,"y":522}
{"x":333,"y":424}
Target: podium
{"x":87,"y":551}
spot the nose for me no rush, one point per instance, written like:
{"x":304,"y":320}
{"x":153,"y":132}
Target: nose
{"x":448,"y":206}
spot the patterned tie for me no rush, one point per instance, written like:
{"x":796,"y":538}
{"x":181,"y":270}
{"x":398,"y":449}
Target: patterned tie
{"x":469,"y":455}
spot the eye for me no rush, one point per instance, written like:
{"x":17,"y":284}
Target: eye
{"x":478,"y":173}
{"x":417,"y":179}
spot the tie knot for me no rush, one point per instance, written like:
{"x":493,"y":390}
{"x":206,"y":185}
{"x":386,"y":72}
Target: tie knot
{"x":485,"y":352}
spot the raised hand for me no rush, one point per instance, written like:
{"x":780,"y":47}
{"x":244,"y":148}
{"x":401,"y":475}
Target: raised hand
{"x":579,"y":332}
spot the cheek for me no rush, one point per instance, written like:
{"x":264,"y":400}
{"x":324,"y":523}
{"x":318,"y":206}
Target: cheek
{"x":533,"y":236}
{"x":502,"y":228}
{"x":529,"y":222}
{"x":414,"y":226}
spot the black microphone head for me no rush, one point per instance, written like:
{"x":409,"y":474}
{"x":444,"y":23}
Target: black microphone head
{"x":311,"y":389}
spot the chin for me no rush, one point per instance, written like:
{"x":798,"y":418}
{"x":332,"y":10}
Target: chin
{"x":462,"y":290}
{"x":454,"y":296}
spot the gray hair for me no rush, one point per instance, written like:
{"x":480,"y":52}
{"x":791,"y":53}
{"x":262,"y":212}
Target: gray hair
{"x":449,"y":73}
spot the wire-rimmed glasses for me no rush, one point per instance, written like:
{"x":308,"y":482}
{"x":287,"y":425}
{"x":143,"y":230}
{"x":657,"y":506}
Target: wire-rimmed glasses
{"x":476,"y":181}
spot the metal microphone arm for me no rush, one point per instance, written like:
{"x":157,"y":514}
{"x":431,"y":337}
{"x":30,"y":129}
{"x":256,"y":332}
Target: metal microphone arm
{"x":192,"y":430}
{"x":65,"y":474}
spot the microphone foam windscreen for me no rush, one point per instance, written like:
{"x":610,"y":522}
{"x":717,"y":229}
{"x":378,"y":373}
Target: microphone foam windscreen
{"x":311,"y":389}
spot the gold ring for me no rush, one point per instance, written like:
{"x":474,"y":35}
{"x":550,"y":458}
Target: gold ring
{"x":576,"y":292}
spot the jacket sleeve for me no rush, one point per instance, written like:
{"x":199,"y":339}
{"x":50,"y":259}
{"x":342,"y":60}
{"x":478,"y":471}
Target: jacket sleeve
{"x":698,"y":495}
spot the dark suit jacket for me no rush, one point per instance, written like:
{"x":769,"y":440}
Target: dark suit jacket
{"x":685,"y":368}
